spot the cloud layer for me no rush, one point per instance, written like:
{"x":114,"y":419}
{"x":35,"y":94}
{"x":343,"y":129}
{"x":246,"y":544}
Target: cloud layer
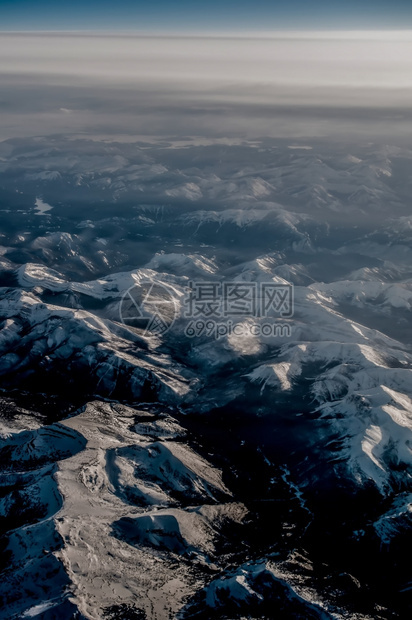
{"x":310,"y":83}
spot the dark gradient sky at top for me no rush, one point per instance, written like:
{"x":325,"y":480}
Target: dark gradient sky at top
{"x":211,"y":15}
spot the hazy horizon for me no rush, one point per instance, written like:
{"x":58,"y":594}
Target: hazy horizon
{"x":293,"y":85}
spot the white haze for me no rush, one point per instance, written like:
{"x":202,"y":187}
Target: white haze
{"x":291,"y":84}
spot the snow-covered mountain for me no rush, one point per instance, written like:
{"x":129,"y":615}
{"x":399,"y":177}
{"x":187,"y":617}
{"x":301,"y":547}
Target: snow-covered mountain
{"x":155,"y":462}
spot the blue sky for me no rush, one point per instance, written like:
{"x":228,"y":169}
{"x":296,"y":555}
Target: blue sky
{"x":213,"y":15}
